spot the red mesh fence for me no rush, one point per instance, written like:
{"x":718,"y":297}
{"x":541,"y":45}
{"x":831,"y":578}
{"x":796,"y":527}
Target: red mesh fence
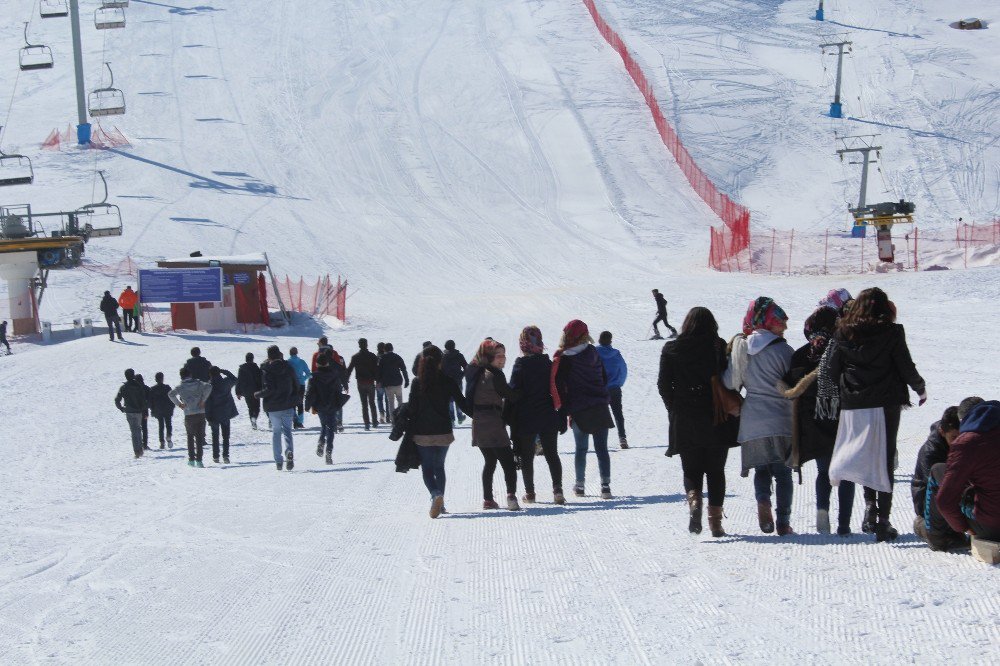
{"x":99,"y":138}
{"x":324,"y":297}
{"x":735,"y":236}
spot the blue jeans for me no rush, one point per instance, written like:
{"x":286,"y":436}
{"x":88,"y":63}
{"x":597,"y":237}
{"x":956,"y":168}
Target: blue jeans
{"x":432,"y":466}
{"x":380,"y":400}
{"x":845,"y":492}
{"x":327,"y":428}
{"x":782,"y":476}
{"x":281,"y":422}
{"x":600,"y":448}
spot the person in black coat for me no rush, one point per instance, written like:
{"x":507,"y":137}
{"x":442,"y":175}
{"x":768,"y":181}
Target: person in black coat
{"x":161,"y":408}
{"x":131,"y":401}
{"x":280,"y":394}
{"x":325,"y":395}
{"x":220,"y":409}
{"x":109,"y":307}
{"x":430,"y":424}
{"x":198,"y":366}
{"x":534,"y":417}
{"x":365,"y":364}
{"x":453,"y":366}
{"x":248,"y":383}
{"x":814,"y":437}
{"x":929,"y":525}
{"x":145,"y":414}
{"x":393,"y":377}
{"x":690,"y":372}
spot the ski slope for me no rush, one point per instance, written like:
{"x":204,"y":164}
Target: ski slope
{"x":471,"y":168}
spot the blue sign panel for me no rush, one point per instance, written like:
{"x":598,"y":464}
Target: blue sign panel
{"x":180,"y":285}
{"x":229,"y":279}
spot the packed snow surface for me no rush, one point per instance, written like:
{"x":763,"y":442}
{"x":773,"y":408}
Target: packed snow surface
{"x":472,"y":167}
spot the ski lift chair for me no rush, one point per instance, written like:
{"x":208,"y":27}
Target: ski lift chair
{"x":102,"y":219}
{"x":15,"y":169}
{"x":109,"y":101}
{"x":106,"y":18}
{"x":53,"y":8}
{"x":34,"y":56}
{"x":114,"y":4}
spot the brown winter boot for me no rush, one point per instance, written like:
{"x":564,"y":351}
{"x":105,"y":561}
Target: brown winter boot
{"x":694,"y":507}
{"x":765,"y":517}
{"x":715,"y":521}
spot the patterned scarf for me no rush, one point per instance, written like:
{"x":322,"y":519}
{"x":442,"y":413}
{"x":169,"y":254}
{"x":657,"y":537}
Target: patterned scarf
{"x":762,"y":313}
{"x":827,"y":386}
{"x":531,"y":340}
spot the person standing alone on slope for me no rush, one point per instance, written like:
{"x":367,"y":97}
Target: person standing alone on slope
{"x":617,"y":371}
{"x":109,"y":307}
{"x":661,"y":316}
{"x":3,"y":336}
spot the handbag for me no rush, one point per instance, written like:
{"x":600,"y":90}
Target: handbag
{"x":594,"y":419}
{"x":726,"y":402}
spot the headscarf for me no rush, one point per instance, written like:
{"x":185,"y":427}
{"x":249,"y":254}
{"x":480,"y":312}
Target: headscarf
{"x":487,"y":350}
{"x":836,"y":299}
{"x":531,"y":340}
{"x":575,"y":333}
{"x":762,"y":314}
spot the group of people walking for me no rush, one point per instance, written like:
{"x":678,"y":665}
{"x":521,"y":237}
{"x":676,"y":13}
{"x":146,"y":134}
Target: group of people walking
{"x":130,"y":317}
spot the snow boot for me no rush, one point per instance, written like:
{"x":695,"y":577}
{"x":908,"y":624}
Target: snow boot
{"x":289,"y":461}
{"x":558,"y":497}
{"x":764,"y":517}
{"x":785,"y":530}
{"x":606,"y":491}
{"x":715,"y":521}
{"x":490,"y":504}
{"x":823,"y":521}
{"x":694,"y":511}
{"x":623,"y":443}
{"x":871,"y":517}
{"x":437,"y":506}
{"x":512,"y":504}
{"x":884,"y":531}
{"x":225,"y":460}
{"x":329,"y":458}
{"x":319,"y":449}
{"x":578,"y":489}
{"x":529,"y":498}
{"x":279,"y":465}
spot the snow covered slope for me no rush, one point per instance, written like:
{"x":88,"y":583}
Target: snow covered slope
{"x":471,"y":167}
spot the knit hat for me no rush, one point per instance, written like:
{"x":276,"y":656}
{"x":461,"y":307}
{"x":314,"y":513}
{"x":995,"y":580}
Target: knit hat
{"x":836,"y":299}
{"x":574,"y":333}
{"x":762,"y":314}
{"x":531,"y":340}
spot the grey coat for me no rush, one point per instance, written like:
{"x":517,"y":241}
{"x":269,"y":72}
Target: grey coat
{"x":766,"y":415}
{"x":488,"y":429}
{"x":192,"y":393}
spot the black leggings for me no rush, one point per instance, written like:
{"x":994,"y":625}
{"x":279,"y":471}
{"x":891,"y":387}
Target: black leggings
{"x":505,"y":455}
{"x":883,"y":501}
{"x":525,"y":445}
{"x":706,"y":463}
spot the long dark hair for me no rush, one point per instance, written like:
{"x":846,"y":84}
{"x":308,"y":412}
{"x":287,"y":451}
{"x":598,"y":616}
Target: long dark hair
{"x":870,"y":312}
{"x":429,"y":368}
{"x":700,"y":323}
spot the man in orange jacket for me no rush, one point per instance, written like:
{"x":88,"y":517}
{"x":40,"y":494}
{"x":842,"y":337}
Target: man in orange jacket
{"x":128,"y":300}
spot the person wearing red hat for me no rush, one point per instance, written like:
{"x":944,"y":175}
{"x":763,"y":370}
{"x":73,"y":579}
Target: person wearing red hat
{"x":579,"y":392}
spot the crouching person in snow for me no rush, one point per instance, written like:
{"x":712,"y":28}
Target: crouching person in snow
{"x":814,"y":436}
{"x":131,"y":401}
{"x":325,"y":395}
{"x":870,"y":363}
{"x":701,"y":430}
{"x":969,"y":493}
{"x":929,"y":525}
{"x":430,"y":424}
{"x":280,"y":395}
{"x":191,"y":395}
{"x":757,"y":364}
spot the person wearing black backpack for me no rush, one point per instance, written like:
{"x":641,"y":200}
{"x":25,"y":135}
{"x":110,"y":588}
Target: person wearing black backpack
{"x":325,"y":395}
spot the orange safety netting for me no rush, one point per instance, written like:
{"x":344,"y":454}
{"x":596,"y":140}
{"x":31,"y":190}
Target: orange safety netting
{"x":732,"y":239}
{"x":324,"y":297}
{"x":99,"y":138}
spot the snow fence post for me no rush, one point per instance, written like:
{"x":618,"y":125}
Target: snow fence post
{"x":791,"y":243}
{"x":774,"y":239}
{"x":916,"y":262}
{"x":826,"y":250}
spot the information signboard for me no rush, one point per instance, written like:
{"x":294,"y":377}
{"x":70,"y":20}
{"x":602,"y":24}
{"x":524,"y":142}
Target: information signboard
{"x":180,"y":285}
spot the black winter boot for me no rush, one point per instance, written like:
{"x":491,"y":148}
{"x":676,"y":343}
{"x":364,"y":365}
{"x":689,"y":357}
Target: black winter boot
{"x":694,"y":510}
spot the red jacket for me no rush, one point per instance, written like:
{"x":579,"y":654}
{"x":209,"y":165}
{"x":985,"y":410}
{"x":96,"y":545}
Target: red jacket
{"x":974,"y":461}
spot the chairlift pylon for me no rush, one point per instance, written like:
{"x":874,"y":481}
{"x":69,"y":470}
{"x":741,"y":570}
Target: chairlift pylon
{"x":102,"y":219}
{"x":34,"y":56}
{"x":15,"y":169}
{"x":53,"y":8}
{"x":108,"y":101}
{"x":106,"y":17}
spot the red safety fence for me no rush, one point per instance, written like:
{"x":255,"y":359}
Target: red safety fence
{"x":99,"y":138}
{"x":735,"y":236}
{"x":324,"y":297}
